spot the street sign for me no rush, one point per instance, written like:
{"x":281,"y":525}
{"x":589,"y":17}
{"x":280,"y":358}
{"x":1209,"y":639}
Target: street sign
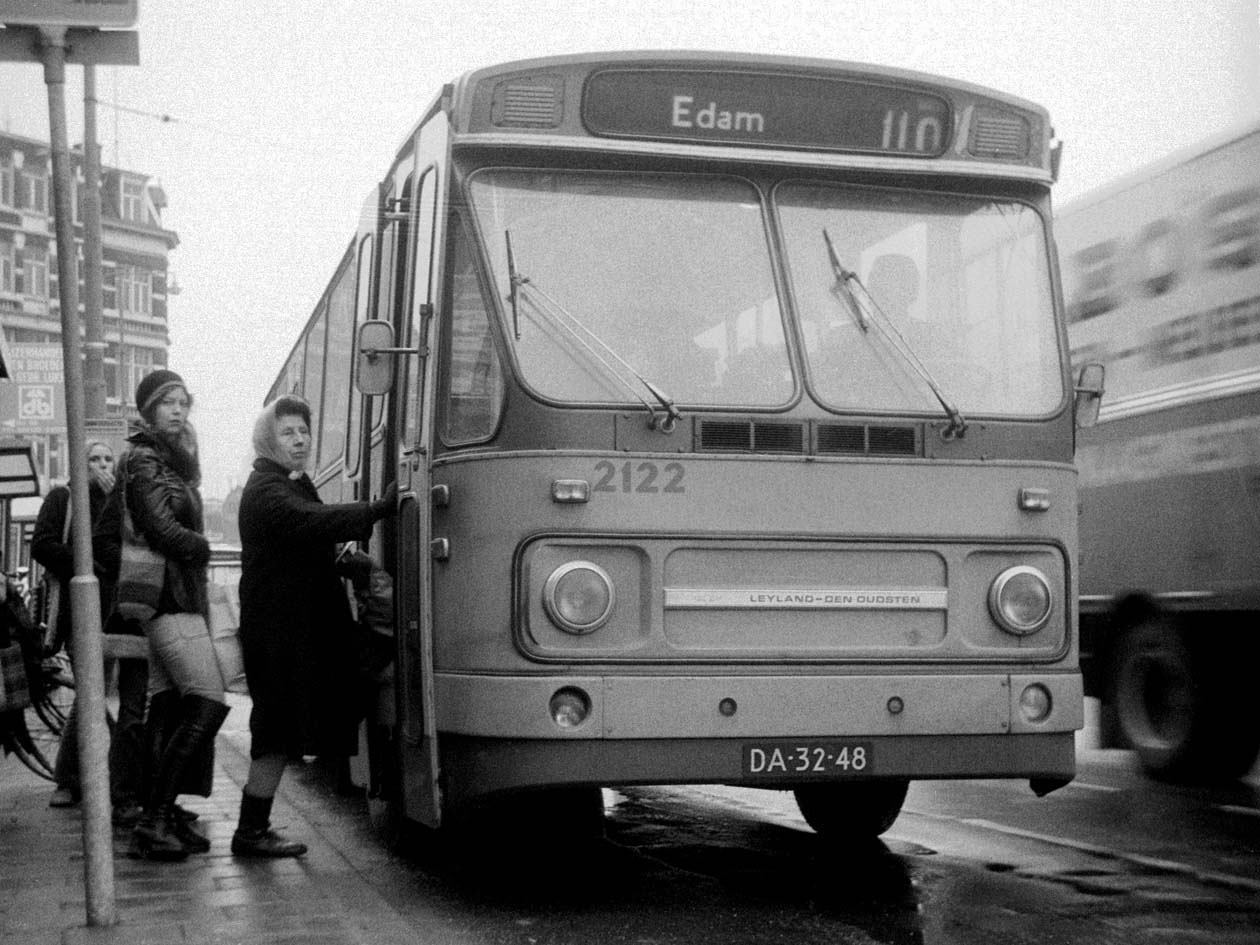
{"x":98,"y":13}
{"x":34,"y":399}
{"x":84,"y":47}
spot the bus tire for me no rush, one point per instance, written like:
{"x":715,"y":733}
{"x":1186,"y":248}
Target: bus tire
{"x":851,"y":811}
{"x":1157,"y":699}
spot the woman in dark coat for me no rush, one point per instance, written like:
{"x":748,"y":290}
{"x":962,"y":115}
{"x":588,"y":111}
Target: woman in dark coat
{"x":50,"y":546}
{"x":296,"y":623}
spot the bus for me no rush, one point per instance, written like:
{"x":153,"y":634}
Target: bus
{"x":729,"y":405}
{"x":1161,"y":271}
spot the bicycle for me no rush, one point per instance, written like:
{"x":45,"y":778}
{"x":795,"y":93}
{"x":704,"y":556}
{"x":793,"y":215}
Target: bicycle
{"x":33,"y":733}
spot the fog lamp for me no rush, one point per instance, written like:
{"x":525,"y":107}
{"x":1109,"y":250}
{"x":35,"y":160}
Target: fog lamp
{"x":1035,"y":702}
{"x":569,"y":707}
{"x":1020,"y":600}
{"x":579,"y":597}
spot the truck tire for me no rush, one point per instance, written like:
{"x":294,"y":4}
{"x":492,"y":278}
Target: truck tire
{"x":851,"y":811}
{"x":1181,"y":710}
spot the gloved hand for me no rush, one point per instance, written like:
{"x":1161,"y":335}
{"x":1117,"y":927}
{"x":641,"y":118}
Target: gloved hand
{"x":386,"y":503}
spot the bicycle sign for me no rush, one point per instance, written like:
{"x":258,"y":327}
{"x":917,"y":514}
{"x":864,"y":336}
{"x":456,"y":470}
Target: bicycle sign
{"x":35,"y":402}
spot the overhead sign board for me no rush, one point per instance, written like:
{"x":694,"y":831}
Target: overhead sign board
{"x":99,"y":13}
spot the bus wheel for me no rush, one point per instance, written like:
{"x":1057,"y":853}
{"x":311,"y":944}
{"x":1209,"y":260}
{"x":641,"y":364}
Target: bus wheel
{"x":851,"y":810}
{"x":1156,"y":698}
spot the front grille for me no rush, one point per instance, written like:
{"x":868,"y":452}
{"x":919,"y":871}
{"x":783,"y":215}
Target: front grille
{"x":832,"y":439}
{"x":861,"y":439}
{"x":747,"y":436}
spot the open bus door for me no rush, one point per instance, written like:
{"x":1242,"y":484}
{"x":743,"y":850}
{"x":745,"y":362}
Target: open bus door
{"x":403,"y":372}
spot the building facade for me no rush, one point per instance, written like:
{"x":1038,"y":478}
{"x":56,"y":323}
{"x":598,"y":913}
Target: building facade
{"x":135,"y":249}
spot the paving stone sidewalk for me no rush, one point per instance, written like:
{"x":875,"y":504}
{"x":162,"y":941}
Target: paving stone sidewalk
{"x":323,"y":898}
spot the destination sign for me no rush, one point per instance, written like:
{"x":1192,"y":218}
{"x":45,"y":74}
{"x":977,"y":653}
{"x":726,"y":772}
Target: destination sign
{"x":767,"y":109}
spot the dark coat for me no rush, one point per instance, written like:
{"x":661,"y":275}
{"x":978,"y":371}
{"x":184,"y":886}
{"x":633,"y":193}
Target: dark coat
{"x":53,"y":548}
{"x":297,"y":629}
{"x":161,"y":495}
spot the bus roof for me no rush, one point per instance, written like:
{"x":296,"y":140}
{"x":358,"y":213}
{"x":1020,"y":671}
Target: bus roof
{"x":676,"y":57}
{"x":749,"y":107}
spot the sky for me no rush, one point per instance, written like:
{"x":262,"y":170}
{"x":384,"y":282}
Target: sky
{"x":267,"y":124}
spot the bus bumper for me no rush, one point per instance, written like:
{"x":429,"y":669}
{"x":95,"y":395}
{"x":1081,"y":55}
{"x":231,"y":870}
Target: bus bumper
{"x":496,"y":733}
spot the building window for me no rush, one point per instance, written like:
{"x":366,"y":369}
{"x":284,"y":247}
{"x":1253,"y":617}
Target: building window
{"x":7,"y":273}
{"x":6,"y":184}
{"x":135,"y":290}
{"x":35,"y":273}
{"x":33,"y":192}
{"x":133,"y":201}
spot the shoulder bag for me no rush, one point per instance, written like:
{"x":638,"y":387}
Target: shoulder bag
{"x":225,"y":629}
{"x":141,"y":571}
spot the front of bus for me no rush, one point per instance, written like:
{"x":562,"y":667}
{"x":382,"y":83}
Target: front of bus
{"x":759,"y":432}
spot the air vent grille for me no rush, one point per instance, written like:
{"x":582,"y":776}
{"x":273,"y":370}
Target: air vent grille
{"x":842,"y":439}
{"x":534,"y":103}
{"x":832,"y":439}
{"x":725,"y":436}
{"x":999,"y":135}
{"x":893,"y":441}
{"x":850,"y":439}
{"x":778,"y":438}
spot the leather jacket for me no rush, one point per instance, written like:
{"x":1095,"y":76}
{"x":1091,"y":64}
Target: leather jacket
{"x":166,"y":509}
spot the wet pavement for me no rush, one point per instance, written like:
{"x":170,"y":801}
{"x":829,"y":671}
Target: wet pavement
{"x":319,"y":899}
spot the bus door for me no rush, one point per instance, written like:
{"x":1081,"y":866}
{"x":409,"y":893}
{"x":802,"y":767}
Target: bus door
{"x":417,"y":729}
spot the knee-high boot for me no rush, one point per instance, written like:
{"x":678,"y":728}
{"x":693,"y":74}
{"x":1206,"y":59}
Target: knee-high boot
{"x":158,"y":835}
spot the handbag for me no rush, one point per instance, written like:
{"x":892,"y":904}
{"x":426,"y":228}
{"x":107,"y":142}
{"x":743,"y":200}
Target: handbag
{"x":225,"y":634}
{"x":15,"y":691}
{"x":141,"y":571}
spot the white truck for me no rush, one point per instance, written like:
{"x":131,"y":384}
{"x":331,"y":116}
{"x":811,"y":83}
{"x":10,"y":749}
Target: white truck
{"x":1161,"y":276}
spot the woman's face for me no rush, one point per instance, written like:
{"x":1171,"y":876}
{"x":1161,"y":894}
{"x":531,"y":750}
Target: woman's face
{"x":171,"y":413}
{"x":294,"y":437}
{"x":100,"y":460}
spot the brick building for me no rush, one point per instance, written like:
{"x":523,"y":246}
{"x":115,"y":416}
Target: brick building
{"x":135,"y":250}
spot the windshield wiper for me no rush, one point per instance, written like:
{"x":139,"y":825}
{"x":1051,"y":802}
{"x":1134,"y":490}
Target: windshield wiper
{"x":598,"y":351}
{"x":515,"y":281}
{"x":841,"y":288}
{"x":896,"y":340}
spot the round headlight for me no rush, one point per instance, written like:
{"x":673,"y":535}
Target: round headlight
{"x":569,"y":707}
{"x":1035,"y":702}
{"x":579,"y":597}
{"x":1020,"y":600}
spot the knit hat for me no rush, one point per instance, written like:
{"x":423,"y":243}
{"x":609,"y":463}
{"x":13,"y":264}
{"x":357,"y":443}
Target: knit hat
{"x":153,"y":387}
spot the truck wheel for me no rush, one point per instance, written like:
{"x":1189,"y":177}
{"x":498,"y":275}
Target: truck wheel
{"x":851,"y":811}
{"x":1156,"y":698}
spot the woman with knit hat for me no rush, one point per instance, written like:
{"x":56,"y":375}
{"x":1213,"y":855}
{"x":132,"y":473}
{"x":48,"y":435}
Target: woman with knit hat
{"x":159,"y":477}
{"x":296,"y":625}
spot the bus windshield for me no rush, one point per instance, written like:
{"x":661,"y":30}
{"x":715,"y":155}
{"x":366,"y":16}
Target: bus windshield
{"x":621,"y":278}
{"x":960,"y":284}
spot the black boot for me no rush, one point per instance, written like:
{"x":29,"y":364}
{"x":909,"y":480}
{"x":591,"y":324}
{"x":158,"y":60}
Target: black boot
{"x":159,"y":834}
{"x":254,"y":836}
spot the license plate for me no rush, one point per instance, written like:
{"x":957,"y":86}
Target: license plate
{"x":808,"y":759}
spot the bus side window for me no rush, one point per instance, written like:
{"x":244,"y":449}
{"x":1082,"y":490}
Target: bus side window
{"x":473,"y":378}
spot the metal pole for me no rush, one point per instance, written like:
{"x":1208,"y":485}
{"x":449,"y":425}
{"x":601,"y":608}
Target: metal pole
{"x":93,"y":327}
{"x":93,"y":737}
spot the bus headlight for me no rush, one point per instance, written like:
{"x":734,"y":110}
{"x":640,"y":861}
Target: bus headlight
{"x":579,"y":597}
{"x":1020,"y":600}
